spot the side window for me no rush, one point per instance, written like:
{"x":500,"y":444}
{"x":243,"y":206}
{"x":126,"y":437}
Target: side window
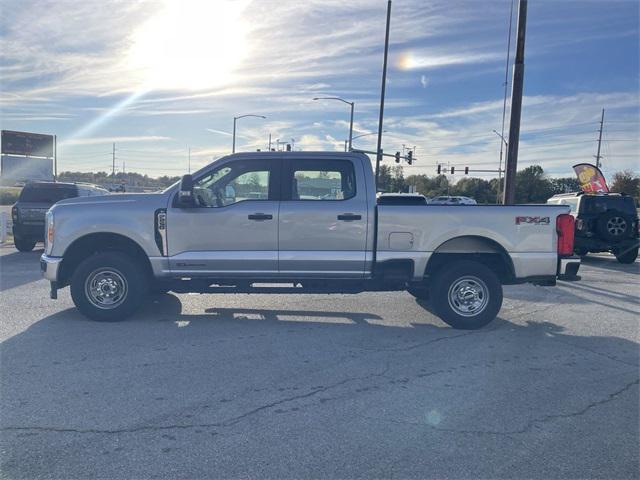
{"x":322,"y":180}
{"x":233,"y":183}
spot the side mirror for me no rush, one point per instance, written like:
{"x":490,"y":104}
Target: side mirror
{"x":185,"y":194}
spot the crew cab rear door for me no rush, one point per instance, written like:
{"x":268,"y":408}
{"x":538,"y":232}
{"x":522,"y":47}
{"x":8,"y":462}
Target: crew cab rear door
{"x":232,"y":231}
{"x":323,"y":218}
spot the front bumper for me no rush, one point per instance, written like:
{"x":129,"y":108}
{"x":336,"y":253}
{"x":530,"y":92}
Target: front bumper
{"x":568,"y":268}
{"x":50,"y":267}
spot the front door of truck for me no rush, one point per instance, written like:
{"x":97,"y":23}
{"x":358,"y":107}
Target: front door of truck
{"x":232,"y":230}
{"x":323,"y":218}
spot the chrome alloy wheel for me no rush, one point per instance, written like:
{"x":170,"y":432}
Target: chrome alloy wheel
{"x":616,"y":226}
{"x":468,"y":296}
{"x":106,"y":288}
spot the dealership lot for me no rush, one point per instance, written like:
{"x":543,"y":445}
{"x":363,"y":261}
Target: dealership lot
{"x":370,"y":385}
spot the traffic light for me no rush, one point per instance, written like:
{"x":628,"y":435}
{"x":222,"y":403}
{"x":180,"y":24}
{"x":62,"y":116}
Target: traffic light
{"x":439,"y":169}
{"x":397,"y":157}
{"x":453,"y":170}
{"x":466,"y":170}
{"x":409,"y":157}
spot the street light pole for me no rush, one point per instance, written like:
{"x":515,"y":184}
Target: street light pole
{"x":367,"y":134}
{"x":351,"y":104}
{"x":505,"y":144}
{"x":235,"y":119}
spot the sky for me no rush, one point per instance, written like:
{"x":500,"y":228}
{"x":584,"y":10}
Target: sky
{"x":161,"y":77}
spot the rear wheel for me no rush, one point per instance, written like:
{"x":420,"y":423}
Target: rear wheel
{"x":466,"y":295}
{"x":24,"y":244}
{"x":108,"y":286}
{"x":627,"y":255}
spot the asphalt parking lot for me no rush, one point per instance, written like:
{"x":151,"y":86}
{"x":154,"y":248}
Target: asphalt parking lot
{"x":339,"y":386}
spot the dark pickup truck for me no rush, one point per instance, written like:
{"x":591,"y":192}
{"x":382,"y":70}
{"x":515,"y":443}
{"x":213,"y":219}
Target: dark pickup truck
{"x":35,"y":199}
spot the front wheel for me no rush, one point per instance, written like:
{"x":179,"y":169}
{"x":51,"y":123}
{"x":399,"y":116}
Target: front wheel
{"x":108,"y":286}
{"x":466,"y":295}
{"x":627,"y":255}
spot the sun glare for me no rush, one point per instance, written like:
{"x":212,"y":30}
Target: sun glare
{"x":190,"y":44}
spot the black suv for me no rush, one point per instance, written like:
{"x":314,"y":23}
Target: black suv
{"x":28,"y":213}
{"x":605,"y":222}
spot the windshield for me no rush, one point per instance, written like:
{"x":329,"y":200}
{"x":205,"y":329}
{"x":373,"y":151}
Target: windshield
{"x":47,"y":193}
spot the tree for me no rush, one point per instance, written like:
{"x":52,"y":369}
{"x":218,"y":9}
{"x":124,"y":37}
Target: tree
{"x":627,"y":182}
{"x":475,"y":188}
{"x":384,"y":178}
{"x":532,"y":186}
{"x":429,"y":187}
{"x":397,"y":183}
{"x":565,"y":185}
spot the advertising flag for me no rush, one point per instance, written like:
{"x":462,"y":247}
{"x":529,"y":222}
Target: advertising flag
{"x":590,"y":178}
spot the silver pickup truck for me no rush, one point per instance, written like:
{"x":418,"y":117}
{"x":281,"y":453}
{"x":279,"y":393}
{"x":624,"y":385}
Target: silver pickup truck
{"x":299,"y":222}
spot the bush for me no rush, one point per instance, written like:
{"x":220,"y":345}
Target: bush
{"x":9,"y":195}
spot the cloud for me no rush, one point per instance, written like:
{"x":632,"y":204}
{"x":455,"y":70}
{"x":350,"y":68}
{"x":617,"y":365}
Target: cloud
{"x":121,"y":139}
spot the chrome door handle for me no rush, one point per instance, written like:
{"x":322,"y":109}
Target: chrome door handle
{"x":349,"y":217}
{"x":260,"y":216}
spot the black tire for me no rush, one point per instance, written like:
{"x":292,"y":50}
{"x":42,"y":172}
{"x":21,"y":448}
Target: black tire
{"x":24,"y":244}
{"x":614,"y":226}
{"x":421,"y":292}
{"x":121,"y":282}
{"x":627,"y":255}
{"x":581,"y":252}
{"x":477,"y":288}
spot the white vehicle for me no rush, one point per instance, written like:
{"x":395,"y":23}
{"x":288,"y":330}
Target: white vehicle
{"x":448,"y":200}
{"x":307,"y":219}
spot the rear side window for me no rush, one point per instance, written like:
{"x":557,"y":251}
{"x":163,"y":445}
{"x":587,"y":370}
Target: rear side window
{"x":596,"y":205}
{"x":47,"y":193}
{"x":322,"y":180}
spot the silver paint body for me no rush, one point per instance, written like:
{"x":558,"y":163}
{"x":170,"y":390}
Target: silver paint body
{"x":304,"y":239}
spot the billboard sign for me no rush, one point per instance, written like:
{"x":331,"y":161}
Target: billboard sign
{"x":25,"y":143}
{"x":591,"y":178}
{"x":25,"y":169}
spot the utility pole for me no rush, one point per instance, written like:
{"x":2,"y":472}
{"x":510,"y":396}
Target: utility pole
{"x":189,"y":162}
{"x":382,"y":90}
{"x":269,"y":149}
{"x":509,"y":196}
{"x":598,"y":163}
{"x":503,"y":142}
{"x":113,"y":160}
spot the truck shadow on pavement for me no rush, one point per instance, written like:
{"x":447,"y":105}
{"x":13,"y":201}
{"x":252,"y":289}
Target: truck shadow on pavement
{"x":610,"y":263}
{"x":218,"y":380}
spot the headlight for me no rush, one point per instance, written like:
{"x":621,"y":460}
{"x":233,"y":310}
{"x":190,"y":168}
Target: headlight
{"x":49,"y":233}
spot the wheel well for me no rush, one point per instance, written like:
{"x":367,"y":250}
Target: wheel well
{"x":86,"y":246}
{"x":479,"y":249}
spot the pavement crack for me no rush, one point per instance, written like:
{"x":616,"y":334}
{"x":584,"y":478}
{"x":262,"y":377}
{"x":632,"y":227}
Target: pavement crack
{"x":528,"y":427}
{"x":225,"y":423}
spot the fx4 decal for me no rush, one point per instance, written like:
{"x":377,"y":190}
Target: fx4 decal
{"x":532,"y":221}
